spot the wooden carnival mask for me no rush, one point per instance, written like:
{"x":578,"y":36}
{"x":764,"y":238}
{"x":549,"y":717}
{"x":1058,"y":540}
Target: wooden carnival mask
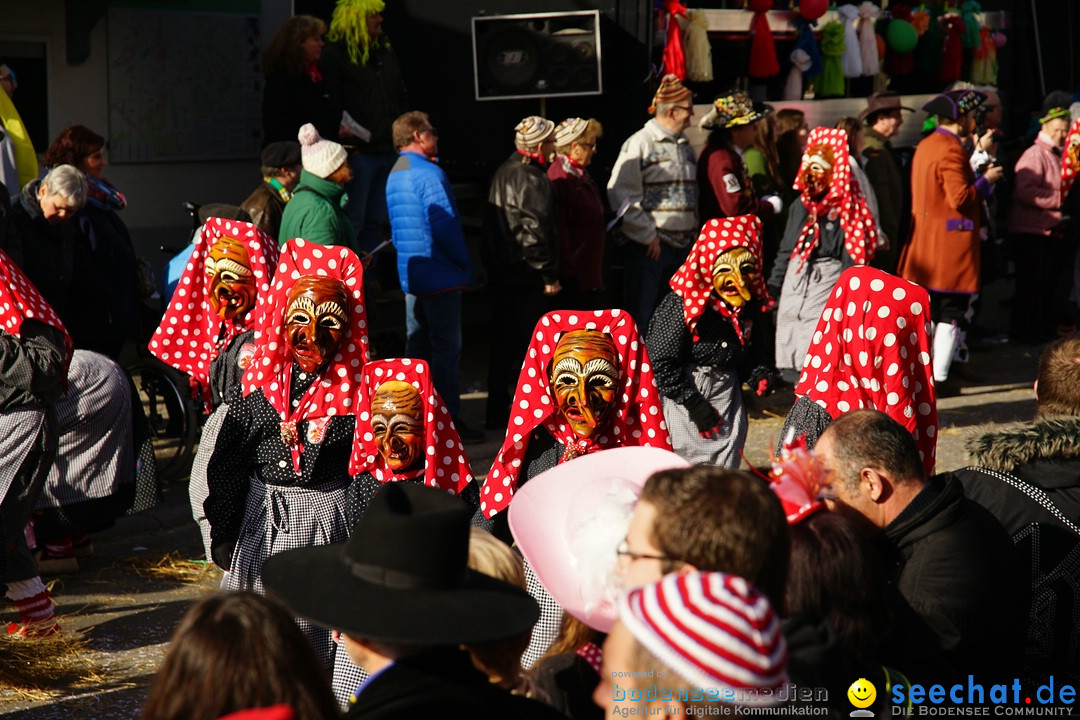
{"x":316,"y":320}
{"x":816,"y":172}
{"x":584,"y":376}
{"x":397,"y":421}
{"x":733,"y":274}
{"x":230,"y":285}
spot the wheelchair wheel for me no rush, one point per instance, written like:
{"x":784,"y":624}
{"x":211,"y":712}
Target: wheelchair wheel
{"x":172,"y":413}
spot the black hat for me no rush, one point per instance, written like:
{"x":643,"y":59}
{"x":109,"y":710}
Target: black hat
{"x":951,"y":105}
{"x":403,"y":576}
{"x":281,"y":154}
{"x":884,"y":101}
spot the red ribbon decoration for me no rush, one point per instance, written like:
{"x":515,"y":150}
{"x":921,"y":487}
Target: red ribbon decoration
{"x":674,"y":57}
{"x":763,"y":63}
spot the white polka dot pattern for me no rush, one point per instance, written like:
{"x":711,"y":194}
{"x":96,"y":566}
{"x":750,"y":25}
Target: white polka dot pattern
{"x":333,"y":393}
{"x":187,"y":338}
{"x":19,"y":299}
{"x":875,"y":354}
{"x":447,"y":466}
{"x":1070,"y":160}
{"x":638,"y":417}
{"x":693,"y":281}
{"x":845,"y":198}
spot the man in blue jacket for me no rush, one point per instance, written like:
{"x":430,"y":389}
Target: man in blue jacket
{"x":433,"y":261}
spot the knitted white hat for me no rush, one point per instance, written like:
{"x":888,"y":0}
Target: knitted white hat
{"x":532,"y":131}
{"x":714,"y":630}
{"x":320,"y":157}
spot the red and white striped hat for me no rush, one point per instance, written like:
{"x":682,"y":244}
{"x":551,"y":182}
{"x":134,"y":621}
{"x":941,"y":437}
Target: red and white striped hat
{"x":715,"y":630}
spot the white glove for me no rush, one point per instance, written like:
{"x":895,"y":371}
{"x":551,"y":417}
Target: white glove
{"x":775,"y":201}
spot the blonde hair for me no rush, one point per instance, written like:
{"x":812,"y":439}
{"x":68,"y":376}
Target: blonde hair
{"x":500,"y":660}
{"x":349,"y":25}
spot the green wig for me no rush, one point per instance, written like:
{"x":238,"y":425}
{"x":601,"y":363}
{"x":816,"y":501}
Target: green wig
{"x":349,"y":24}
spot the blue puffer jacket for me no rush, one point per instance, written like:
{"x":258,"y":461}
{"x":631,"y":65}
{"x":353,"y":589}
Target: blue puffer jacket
{"x":427,"y":234}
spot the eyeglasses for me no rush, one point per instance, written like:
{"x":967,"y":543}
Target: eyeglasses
{"x":687,"y":108}
{"x":624,"y":551}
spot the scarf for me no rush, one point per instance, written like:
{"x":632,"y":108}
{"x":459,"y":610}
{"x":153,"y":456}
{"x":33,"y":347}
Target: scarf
{"x":191,"y":335}
{"x":871,"y":349}
{"x":693,"y":281}
{"x":637,"y":417}
{"x":845,"y":198}
{"x":446,"y":466}
{"x":19,"y":300}
{"x":101,"y":194}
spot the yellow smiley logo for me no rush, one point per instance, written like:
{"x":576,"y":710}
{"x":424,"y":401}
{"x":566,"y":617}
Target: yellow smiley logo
{"x":862,"y":693}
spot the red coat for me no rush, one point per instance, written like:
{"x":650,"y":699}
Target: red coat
{"x":943,"y":254}
{"x":724,"y":187}
{"x":580,"y":209}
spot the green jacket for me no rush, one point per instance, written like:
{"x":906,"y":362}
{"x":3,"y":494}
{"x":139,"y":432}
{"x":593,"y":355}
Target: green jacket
{"x":316,"y":213}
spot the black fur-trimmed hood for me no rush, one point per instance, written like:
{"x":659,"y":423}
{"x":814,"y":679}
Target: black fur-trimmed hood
{"x":1049,"y":438}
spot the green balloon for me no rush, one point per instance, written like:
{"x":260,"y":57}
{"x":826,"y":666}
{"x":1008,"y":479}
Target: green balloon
{"x":901,"y":36}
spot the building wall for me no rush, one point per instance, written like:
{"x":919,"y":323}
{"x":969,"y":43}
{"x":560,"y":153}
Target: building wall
{"x":79,"y":94}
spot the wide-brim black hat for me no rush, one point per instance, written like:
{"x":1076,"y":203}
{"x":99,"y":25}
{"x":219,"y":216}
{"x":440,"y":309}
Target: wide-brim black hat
{"x":402,"y":576}
{"x":954,"y":103}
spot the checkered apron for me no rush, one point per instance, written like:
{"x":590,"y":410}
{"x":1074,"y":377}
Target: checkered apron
{"x":198,"y":485}
{"x":801,"y":301}
{"x":287,"y":517}
{"x":95,"y":456}
{"x":722,"y":388}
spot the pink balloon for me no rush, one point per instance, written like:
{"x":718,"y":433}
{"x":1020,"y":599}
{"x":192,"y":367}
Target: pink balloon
{"x":999,"y":39}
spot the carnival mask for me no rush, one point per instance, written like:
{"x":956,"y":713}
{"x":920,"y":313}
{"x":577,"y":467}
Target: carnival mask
{"x":816,"y":172}
{"x":316,"y":320}
{"x":584,"y":375}
{"x":1073,"y":150}
{"x":397,"y":421}
{"x":733,"y":274}
{"x":230,"y":283}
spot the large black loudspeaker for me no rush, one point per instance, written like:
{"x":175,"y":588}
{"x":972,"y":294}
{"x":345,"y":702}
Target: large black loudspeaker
{"x":545,"y":54}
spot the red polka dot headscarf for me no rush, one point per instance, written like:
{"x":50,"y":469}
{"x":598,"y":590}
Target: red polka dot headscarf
{"x":844,"y":201}
{"x":334,"y":393}
{"x":693,"y":281}
{"x":19,"y":300}
{"x":1070,"y":159}
{"x":446,"y":466}
{"x":190,"y":334}
{"x":871,"y":349}
{"x":636,"y":419}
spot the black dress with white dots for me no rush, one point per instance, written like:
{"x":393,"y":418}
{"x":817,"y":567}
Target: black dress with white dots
{"x":249,"y":453}
{"x":689,"y":371}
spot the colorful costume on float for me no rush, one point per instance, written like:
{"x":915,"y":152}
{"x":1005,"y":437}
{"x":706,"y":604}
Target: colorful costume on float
{"x":699,"y":339}
{"x":404,"y":433}
{"x":278,"y":477}
{"x":871,"y":349}
{"x":208,"y":330}
{"x":35,"y":350}
{"x":829,"y":229}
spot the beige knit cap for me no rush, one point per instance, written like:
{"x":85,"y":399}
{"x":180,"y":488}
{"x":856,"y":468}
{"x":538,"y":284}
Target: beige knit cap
{"x":532,"y":131}
{"x":320,"y":157}
{"x":569,"y":130}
